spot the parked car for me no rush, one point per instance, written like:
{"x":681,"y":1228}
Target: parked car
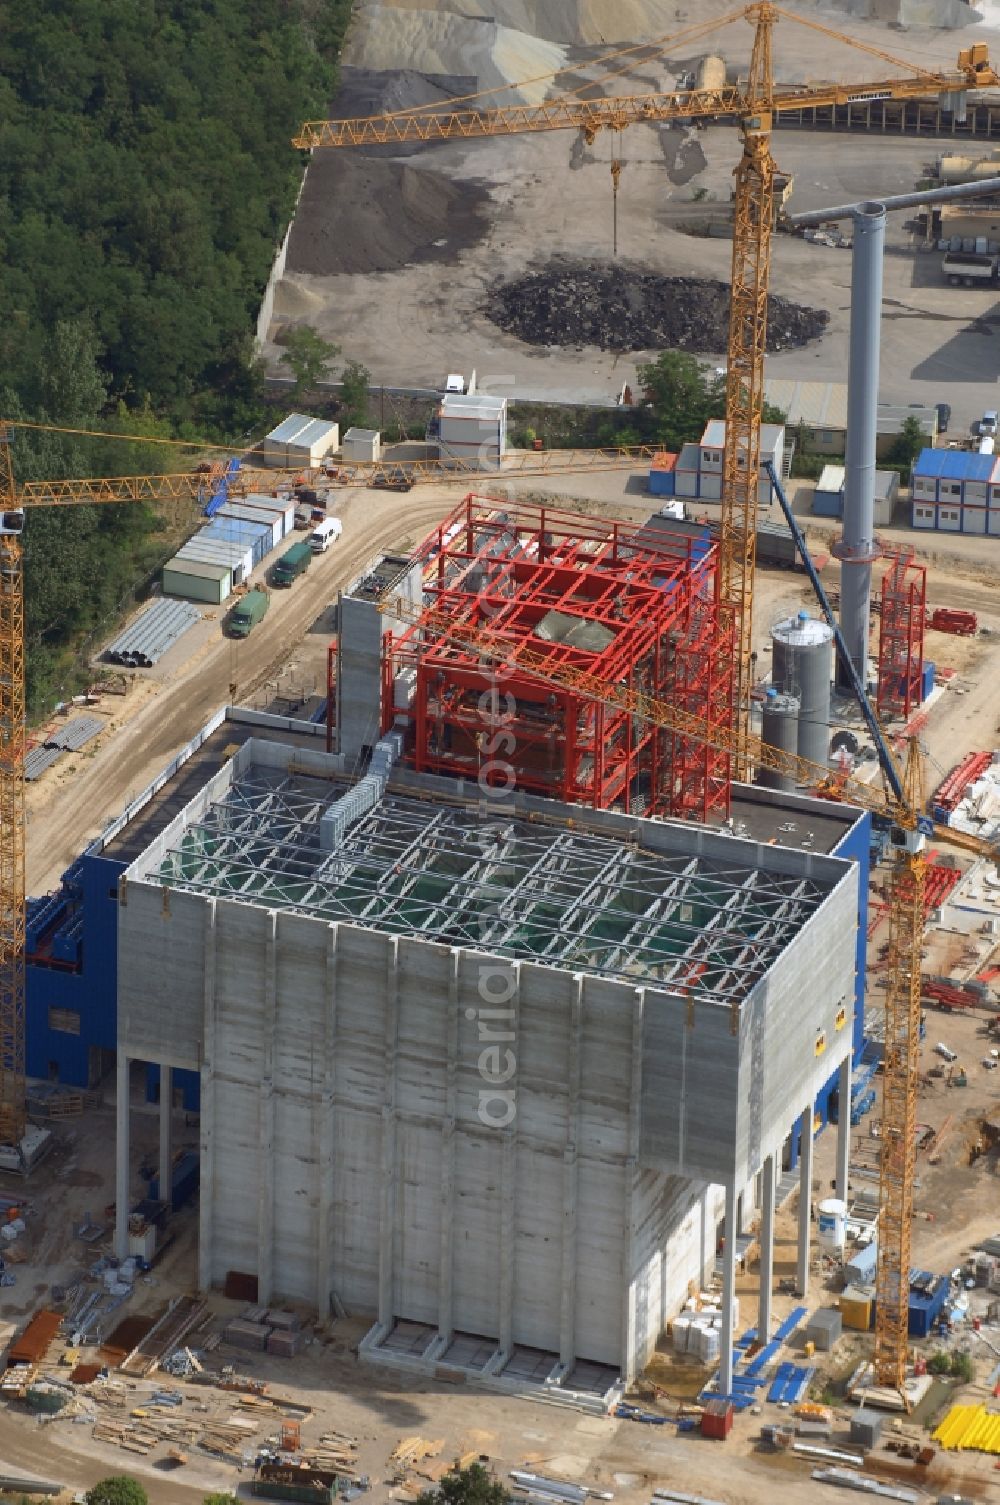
{"x":943,"y":416}
{"x":292,"y":564}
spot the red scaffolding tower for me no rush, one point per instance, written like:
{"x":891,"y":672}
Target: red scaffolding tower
{"x":635,"y":607}
{"x":901,"y":633}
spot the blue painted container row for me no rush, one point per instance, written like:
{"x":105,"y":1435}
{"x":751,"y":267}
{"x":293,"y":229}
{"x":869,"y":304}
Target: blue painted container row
{"x":256,"y":537}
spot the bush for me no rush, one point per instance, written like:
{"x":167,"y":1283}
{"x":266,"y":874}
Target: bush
{"x":961,"y":1366}
{"x":119,"y":1489}
{"x":939,"y":1363}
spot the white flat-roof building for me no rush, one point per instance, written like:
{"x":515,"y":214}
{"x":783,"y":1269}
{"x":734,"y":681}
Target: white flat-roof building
{"x":299,"y":440}
{"x":362,"y":445}
{"x":472,"y":428}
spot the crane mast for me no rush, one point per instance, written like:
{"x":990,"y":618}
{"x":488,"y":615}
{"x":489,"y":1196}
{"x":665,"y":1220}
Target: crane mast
{"x":12,"y":811}
{"x":753,"y":214}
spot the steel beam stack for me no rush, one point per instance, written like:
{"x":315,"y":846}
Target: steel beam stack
{"x":147,"y":638}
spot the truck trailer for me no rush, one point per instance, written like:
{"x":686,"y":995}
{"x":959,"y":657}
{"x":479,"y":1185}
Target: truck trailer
{"x":968,"y":268}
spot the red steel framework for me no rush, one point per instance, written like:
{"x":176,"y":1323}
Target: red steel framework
{"x":901,"y":633}
{"x":636,"y":607}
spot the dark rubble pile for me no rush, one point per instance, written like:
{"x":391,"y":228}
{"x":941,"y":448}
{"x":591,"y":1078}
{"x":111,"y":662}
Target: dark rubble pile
{"x":624,"y":308}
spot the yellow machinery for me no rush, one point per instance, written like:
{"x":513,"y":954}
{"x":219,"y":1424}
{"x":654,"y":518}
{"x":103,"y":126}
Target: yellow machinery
{"x":899,"y":803}
{"x":752,"y":106}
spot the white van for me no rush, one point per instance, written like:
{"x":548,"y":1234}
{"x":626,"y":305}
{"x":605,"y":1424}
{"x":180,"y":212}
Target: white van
{"x":324,"y":534}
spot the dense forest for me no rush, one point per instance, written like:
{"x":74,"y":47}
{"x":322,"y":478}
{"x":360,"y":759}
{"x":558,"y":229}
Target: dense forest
{"x":146,"y":176}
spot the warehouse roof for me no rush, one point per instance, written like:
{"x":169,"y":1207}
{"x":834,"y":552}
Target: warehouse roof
{"x":955,"y":465}
{"x":817,"y":404}
{"x":288,"y":428}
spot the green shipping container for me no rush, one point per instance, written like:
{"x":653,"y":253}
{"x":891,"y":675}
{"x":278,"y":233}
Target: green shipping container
{"x":293,"y":563}
{"x":248,"y":612}
{"x":197,"y":581}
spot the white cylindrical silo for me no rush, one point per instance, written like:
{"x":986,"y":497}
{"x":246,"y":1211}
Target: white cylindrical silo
{"x":779,"y":728}
{"x":802,"y":665}
{"x":831,"y":1231}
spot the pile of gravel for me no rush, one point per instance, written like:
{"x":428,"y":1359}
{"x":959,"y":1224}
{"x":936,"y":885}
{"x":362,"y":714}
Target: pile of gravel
{"x":625,"y":308}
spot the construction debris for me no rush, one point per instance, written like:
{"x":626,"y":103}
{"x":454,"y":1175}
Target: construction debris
{"x":626,"y":308}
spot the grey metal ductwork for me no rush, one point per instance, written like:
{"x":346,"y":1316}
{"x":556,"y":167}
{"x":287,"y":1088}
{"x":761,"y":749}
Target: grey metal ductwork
{"x":346,"y":811}
{"x":856,"y":547}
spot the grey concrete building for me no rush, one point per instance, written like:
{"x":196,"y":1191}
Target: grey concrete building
{"x":489,"y":1074}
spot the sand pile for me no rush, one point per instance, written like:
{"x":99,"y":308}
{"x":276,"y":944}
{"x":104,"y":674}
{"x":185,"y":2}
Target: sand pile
{"x":440,"y":42}
{"x":366,"y":214}
{"x":575,"y":23}
{"x":625,"y":308}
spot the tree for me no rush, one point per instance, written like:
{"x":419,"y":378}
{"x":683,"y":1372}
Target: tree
{"x":222,"y":1499}
{"x":683,"y":395}
{"x":119,"y":1489}
{"x":466,"y":1486}
{"x":354,"y":381}
{"x":307,"y":355}
{"x":907,"y":445}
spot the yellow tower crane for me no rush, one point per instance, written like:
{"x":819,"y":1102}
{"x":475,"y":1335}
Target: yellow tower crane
{"x":180,"y":486}
{"x":899,"y":803}
{"x":752,"y":105}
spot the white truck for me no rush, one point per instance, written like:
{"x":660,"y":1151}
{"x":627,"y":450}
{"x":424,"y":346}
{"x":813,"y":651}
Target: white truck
{"x":967,"y":268}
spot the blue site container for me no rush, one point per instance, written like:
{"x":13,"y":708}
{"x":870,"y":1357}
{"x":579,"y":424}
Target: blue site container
{"x":926,"y":680}
{"x":186,"y":1178}
{"x":828,"y":503}
{"x":661,"y":482}
{"x":256,"y":537}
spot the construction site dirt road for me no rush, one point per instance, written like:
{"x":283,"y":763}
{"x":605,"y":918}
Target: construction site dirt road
{"x":158,"y":718}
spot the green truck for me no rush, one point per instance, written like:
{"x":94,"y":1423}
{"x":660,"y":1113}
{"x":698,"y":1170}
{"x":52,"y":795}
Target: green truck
{"x":247,"y":613}
{"x":294,"y":562}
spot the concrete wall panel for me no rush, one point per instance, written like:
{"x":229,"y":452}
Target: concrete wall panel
{"x":417,"y":1243}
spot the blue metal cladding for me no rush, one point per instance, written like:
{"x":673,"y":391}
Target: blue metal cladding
{"x":221,"y":492}
{"x":86,"y":986}
{"x":73,"y":966}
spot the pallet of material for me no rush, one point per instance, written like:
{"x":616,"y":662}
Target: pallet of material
{"x":249,"y":1335}
{"x":284,"y":1344}
{"x":167,"y":1334}
{"x":286,"y":1322}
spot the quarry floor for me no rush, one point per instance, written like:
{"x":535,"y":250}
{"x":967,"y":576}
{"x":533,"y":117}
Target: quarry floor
{"x":399,"y":277}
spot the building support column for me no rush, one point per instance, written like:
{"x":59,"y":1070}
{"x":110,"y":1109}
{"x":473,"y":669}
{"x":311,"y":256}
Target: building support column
{"x":506,"y":1033}
{"x":844,"y":1129}
{"x":728,"y":1294}
{"x":446,"y":1313}
{"x":206,"y":1115}
{"x":387,"y":1205}
{"x":636,"y":1321}
{"x":327,"y":1137}
{"x":265,"y":1157}
{"x":123,"y":1150}
{"x":567,"y":1286}
{"x":166,"y":1168}
{"x":805,"y":1201}
{"x":768,"y":1192}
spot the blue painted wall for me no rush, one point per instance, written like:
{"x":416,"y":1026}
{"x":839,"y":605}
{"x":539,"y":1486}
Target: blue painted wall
{"x":87,"y":984}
